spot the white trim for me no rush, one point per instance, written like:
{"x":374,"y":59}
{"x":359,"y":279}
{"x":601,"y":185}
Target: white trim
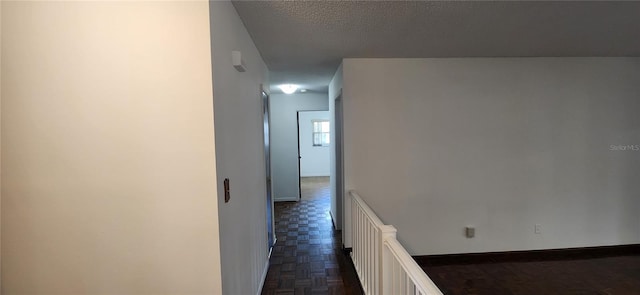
{"x":381,"y":262}
{"x":264,"y":275}
{"x":333,"y":221}
{"x":275,"y":240}
{"x":422,"y":281}
{"x":314,"y":174}
{"x":286,"y":200}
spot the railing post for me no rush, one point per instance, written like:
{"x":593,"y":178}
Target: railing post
{"x":385,"y":271}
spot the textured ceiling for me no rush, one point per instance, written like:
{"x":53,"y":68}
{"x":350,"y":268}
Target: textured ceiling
{"x":303,"y":42}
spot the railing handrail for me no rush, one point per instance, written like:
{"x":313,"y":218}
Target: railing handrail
{"x":367,"y":209}
{"x":380,"y":249}
{"x":413,"y":270}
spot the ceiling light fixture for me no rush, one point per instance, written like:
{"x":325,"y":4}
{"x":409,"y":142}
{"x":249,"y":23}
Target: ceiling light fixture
{"x":288,"y":88}
{"x":303,"y":90}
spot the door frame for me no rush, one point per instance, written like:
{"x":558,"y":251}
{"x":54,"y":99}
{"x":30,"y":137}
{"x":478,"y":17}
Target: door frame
{"x":300,"y":156}
{"x":339,"y":161}
{"x":266,"y":132}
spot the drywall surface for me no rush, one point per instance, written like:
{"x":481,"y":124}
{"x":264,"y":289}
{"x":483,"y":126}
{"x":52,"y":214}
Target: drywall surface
{"x":502,"y":144}
{"x":108,"y":156}
{"x":284,"y":140}
{"x":314,"y":160}
{"x":239,"y":152}
{"x":335,"y":90}
{"x":0,"y":147}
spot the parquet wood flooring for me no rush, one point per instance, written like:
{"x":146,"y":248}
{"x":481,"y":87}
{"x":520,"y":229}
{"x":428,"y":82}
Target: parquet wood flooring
{"x":308,"y":256}
{"x":611,"y":275}
{"x":315,"y":188}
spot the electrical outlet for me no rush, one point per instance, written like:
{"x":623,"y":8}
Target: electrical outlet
{"x":470,"y":231}
{"x":538,"y":229}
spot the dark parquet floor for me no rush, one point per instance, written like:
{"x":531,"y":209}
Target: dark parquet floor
{"x":618,"y":275}
{"x":308,"y":257}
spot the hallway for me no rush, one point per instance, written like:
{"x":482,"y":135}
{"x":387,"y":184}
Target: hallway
{"x":308,"y":256}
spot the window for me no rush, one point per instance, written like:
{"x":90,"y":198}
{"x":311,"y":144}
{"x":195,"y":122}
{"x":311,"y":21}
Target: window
{"x":320,"y":132}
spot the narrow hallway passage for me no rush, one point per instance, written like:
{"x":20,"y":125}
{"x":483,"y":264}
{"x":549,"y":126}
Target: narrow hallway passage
{"x":308,"y":256}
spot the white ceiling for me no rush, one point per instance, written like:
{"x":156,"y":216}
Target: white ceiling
{"x":303,"y":42}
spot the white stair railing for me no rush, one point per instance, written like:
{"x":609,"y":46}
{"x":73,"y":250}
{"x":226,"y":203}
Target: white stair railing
{"x":383,"y":265}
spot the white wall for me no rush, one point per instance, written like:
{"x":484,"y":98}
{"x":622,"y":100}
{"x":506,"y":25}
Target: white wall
{"x":108,"y":167}
{"x":284,"y":140}
{"x":0,"y":147}
{"x":315,"y":159}
{"x":239,"y":152}
{"x":503,"y":144}
{"x":335,"y":90}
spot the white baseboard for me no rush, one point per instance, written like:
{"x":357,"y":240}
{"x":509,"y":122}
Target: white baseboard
{"x":264,"y":277}
{"x":333,"y":220}
{"x":286,"y":200}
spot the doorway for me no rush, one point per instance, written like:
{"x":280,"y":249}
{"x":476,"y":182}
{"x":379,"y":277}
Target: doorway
{"x":314,"y":153}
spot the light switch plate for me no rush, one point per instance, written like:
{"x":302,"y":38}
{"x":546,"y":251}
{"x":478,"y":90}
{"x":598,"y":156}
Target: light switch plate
{"x":227,"y":193}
